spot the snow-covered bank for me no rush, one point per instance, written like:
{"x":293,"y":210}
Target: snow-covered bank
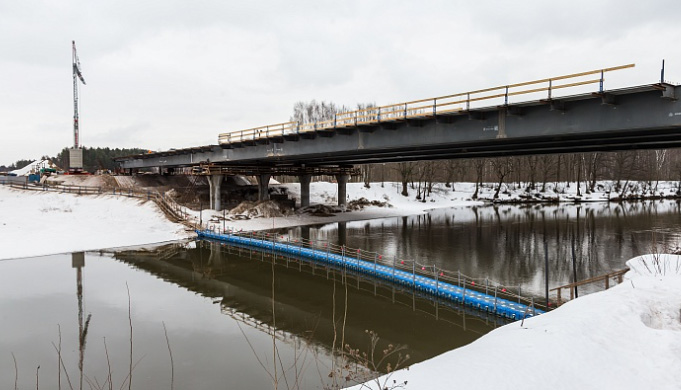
{"x":41,"y":223}
{"x":327,"y":193}
{"x":627,"y":337}
{"x":459,"y":194}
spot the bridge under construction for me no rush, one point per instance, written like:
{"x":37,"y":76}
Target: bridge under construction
{"x":481,"y":123}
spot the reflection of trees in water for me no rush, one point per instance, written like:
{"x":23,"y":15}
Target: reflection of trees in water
{"x":506,"y":242}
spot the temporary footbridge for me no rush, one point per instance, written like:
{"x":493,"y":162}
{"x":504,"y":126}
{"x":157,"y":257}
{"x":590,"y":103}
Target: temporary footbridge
{"x":462,"y":293}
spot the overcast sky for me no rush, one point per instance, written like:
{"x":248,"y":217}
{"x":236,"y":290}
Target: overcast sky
{"x":171,"y":74}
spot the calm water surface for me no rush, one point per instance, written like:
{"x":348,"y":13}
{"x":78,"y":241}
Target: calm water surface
{"x":216,"y":300}
{"x":216,"y":304}
{"x":510,"y":244}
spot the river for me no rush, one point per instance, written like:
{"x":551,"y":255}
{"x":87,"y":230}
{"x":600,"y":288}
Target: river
{"x":214,"y":302}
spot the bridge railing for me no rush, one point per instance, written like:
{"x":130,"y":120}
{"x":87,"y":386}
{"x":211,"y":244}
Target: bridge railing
{"x":256,"y":133}
{"x":614,"y":277}
{"x":425,"y":108}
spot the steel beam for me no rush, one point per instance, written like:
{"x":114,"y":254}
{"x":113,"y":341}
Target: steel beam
{"x":640,"y":117}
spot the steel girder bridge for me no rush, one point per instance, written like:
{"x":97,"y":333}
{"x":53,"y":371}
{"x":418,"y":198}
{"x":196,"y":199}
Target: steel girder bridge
{"x":482,"y":123}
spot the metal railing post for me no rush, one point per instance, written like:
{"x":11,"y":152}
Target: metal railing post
{"x":600,"y":83}
{"x":413,"y":274}
{"x":394,"y":265}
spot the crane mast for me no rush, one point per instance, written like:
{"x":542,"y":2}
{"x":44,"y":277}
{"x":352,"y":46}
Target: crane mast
{"x":76,"y":153}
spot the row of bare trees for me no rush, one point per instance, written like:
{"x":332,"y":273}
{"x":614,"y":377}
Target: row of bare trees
{"x":533,"y":173}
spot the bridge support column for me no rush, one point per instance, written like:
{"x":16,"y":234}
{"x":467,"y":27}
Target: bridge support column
{"x":304,"y":190}
{"x":215,"y":184}
{"x":342,"y":188}
{"x":263,"y":183}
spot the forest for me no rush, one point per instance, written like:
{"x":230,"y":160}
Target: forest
{"x":94,"y":159}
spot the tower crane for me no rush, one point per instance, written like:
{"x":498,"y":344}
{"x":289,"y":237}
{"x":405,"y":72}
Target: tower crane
{"x":76,"y":153}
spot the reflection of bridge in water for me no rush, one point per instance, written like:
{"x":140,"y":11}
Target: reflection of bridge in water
{"x":242,"y":281}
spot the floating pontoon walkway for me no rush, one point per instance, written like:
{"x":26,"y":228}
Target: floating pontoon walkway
{"x":430,"y":286}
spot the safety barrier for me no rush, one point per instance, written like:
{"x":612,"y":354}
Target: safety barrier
{"x":433,"y":286}
{"x":421,"y":109}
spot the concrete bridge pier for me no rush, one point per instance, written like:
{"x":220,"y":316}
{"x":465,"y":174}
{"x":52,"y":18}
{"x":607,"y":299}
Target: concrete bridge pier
{"x":215,"y":184}
{"x":263,"y":183}
{"x":342,"y":180}
{"x":305,"y":190}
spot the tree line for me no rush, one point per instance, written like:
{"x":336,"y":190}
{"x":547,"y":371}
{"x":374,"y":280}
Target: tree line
{"x":534,"y":173}
{"x":94,"y":159}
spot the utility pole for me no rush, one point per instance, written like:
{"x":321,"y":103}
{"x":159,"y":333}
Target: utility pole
{"x":76,"y":153}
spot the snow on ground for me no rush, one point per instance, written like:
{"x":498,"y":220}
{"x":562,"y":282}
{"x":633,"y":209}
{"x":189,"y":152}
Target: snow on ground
{"x":41,"y":223}
{"x":327,"y":193}
{"x":460,"y":194}
{"x":627,"y":337}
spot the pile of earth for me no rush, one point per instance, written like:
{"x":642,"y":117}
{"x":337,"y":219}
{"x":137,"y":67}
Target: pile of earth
{"x":320,"y":210}
{"x":264,"y":209}
{"x":361,"y":203}
{"x":325,"y":210}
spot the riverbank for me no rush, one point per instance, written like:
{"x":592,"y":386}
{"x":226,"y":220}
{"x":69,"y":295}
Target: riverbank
{"x":36,"y":223}
{"x":57,"y":223}
{"x":627,"y":337}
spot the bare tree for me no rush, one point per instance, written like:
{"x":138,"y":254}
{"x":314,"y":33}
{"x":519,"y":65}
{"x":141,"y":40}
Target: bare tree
{"x":531,"y":165}
{"x":405,"y":170}
{"x":547,"y":162}
{"x":366,"y":171}
{"x":479,"y":165}
{"x":592,"y":166}
{"x":502,"y":167}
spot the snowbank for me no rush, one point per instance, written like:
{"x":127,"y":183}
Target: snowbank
{"x":459,"y":195}
{"x":327,"y":193}
{"x":41,"y":223}
{"x":627,"y":337}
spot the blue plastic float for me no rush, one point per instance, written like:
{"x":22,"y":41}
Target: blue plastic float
{"x":430,"y":286}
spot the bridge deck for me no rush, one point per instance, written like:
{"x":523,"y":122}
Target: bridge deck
{"x":446,"y":127}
